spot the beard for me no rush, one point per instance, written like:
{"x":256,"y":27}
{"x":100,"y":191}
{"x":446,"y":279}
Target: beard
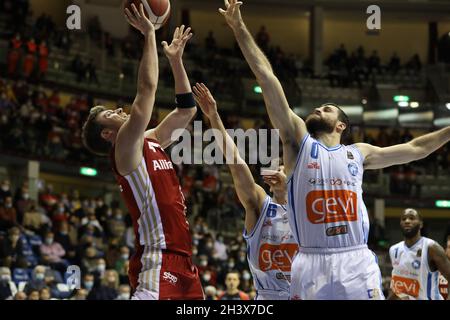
{"x":411,"y":233}
{"x":316,"y":125}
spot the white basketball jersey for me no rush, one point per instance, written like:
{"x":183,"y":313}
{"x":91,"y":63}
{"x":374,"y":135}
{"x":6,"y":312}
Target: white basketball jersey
{"x":326,"y":209}
{"x":411,"y":275}
{"x":270,"y":251}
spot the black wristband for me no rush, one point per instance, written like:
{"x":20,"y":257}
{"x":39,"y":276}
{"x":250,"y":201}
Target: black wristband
{"x":185,"y":100}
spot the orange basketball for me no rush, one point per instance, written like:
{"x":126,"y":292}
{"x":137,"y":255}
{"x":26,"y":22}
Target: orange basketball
{"x":158,"y":11}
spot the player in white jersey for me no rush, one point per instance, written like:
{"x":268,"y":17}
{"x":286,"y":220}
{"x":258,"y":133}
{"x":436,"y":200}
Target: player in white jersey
{"x":417,"y":262}
{"x":326,"y":210}
{"x":270,"y":244}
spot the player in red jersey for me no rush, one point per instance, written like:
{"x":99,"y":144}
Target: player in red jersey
{"x":161,"y":267}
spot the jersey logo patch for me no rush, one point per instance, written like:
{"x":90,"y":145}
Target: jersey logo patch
{"x":353,"y":169}
{"x":314,"y":165}
{"x":324,"y":206}
{"x":416,"y":264}
{"x":277,"y":257}
{"x":401,"y":285}
{"x":350,"y":155}
{"x":315,"y":150}
{"x":338,"y":230}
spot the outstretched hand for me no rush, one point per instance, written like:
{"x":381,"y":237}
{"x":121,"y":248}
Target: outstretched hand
{"x":176,"y":49}
{"x":204,"y":99}
{"x":139,"y":20}
{"x":232,"y":13}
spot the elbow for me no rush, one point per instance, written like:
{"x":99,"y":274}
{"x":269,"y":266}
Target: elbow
{"x":148,"y":86}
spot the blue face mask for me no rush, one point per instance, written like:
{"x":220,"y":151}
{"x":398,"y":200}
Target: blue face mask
{"x":40,"y":276}
{"x":88,"y":285}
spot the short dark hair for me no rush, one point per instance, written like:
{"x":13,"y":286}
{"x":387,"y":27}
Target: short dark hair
{"x":416,"y":211}
{"x":91,"y":134}
{"x":342,"y":116}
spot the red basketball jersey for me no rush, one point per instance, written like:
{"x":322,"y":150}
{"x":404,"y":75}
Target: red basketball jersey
{"x":153,"y":196}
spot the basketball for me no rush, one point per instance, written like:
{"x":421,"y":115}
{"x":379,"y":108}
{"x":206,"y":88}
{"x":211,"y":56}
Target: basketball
{"x":158,"y":11}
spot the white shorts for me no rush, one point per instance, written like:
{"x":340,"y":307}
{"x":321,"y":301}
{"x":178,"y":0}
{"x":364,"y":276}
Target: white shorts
{"x":271,"y":295}
{"x":348,"y":275}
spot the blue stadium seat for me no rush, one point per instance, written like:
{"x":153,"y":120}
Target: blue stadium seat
{"x":20,"y":274}
{"x":35,"y":240}
{"x":32,"y":260}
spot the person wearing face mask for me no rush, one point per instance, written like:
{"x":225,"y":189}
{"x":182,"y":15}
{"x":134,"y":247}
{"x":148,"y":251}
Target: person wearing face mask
{"x":22,"y":201}
{"x":8,"y":288}
{"x":52,"y":253}
{"x":12,"y":250}
{"x":5,"y":190}
{"x":37,"y":281}
{"x":267,"y":231}
{"x":124,"y":292}
{"x":8,"y":214}
{"x":108,"y":288}
{"x":88,"y":282}
{"x":62,"y":237}
{"x":122,"y":260}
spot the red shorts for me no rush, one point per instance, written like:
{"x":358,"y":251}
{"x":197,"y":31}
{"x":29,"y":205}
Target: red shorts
{"x":176,"y":279}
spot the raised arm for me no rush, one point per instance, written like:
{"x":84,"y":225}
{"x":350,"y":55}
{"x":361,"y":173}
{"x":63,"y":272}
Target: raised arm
{"x":186,"y":109}
{"x":250,"y":194}
{"x":130,"y":136}
{"x":416,"y":149}
{"x":439,"y":261}
{"x":291,"y":126}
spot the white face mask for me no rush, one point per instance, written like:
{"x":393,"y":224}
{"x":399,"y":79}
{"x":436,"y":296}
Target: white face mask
{"x":246,"y":276}
{"x":206,"y":277}
{"x":204,"y":263}
{"x":125,"y":256}
{"x":5,"y":277}
{"x":101,"y":267}
{"x":40,"y":276}
{"x":124,"y":296}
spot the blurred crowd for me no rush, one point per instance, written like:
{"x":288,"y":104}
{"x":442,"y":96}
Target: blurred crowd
{"x":40,"y":239}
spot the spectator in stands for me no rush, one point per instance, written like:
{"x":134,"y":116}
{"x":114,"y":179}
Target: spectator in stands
{"x":20,"y":295}
{"x":220,"y":249}
{"x":414,"y":63}
{"x":210,"y":293}
{"x":30,"y":58}
{"x":124,"y":292}
{"x":232,"y":288}
{"x":43,"y":60}
{"x":210,"y":42}
{"x":5,"y":190}
{"x":263,"y":39}
{"x":108,"y":288}
{"x":14,"y":55}
{"x":88,"y":282}
{"x":35,"y":220}
{"x":37,"y":281}
{"x":91,"y":72}
{"x":80,"y":294}
{"x":394,"y":63}
{"x":11,"y":250}
{"x":8,"y":215}
{"x":78,"y":68}
{"x":34,"y":295}
{"x":45,"y":294}
{"x":122,"y":260}
{"x":8,"y":288}
{"x":52,"y":253}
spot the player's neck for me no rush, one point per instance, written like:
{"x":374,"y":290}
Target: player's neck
{"x":329,"y":139}
{"x":232,"y":292}
{"x":412,"y":241}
